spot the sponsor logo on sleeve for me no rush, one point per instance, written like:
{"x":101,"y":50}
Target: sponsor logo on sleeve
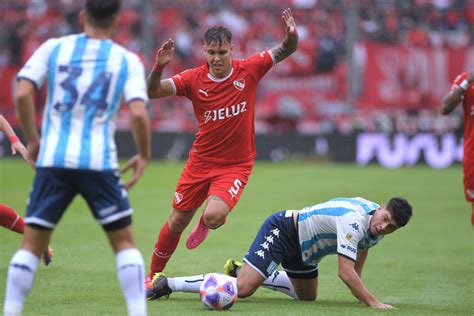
{"x":351,"y":249}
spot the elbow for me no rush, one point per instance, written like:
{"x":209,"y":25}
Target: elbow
{"x":151,"y":94}
{"x":311,"y":297}
{"x":138,"y":110}
{"x":343,"y":274}
{"x":21,"y":96}
{"x":139,"y":114}
{"x":443,"y":110}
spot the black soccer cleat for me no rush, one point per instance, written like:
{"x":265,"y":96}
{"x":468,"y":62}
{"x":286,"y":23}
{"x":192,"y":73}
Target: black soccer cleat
{"x":158,"y":287}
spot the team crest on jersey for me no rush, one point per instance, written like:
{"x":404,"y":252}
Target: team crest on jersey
{"x":348,"y":237}
{"x":178,"y":197}
{"x":239,"y":84}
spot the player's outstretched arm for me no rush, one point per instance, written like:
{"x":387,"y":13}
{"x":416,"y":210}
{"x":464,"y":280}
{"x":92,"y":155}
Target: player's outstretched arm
{"x":351,"y":278}
{"x":16,"y":145}
{"x":359,"y":264}
{"x":25,"y":107}
{"x":140,"y":126}
{"x":290,"y":42}
{"x":156,"y":87}
{"x":454,"y":97}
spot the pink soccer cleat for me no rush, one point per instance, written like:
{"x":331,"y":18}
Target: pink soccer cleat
{"x":197,"y":236}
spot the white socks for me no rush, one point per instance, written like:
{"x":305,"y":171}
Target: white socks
{"x":21,"y":274}
{"x":22,"y":269}
{"x":279,"y":281}
{"x":130,"y":272}
{"x":188,"y":284}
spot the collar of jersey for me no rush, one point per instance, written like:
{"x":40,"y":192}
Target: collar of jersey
{"x":210,"y":76}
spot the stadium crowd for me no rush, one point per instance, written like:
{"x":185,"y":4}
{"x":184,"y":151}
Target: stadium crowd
{"x":322,"y":28}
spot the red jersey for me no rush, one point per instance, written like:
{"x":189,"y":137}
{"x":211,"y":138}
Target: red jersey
{"x":224,"y":108}
{"x":468,"y":107}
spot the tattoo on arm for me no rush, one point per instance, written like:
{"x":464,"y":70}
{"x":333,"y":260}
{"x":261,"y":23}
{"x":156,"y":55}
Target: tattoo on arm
{"x":451,"y":100}
{"x":285,"y":48}
{"x":153,"y":83}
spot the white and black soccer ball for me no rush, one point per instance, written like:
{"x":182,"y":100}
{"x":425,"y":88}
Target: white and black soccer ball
{"x":218,"y":291}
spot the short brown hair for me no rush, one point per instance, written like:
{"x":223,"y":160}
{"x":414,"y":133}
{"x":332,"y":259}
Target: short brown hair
{"x":217,"y":34}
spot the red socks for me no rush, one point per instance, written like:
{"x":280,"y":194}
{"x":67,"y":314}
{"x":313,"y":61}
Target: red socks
{"x":10,"y":219}
{"x":164,"y":248}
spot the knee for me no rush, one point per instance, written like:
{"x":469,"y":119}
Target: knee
{"x":307,"y":296}
{"x":214,"y":220}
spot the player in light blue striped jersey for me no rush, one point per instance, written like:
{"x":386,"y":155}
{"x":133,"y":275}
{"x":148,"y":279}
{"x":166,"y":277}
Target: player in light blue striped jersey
{"x":298,"y":240}
{"x":88,"y":76}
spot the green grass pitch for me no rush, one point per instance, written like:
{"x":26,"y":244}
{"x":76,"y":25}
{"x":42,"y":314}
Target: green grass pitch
{"x":425,"y":268}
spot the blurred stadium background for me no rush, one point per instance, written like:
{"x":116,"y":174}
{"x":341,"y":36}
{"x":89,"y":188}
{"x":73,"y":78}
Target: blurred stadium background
{"x":364,"y":86}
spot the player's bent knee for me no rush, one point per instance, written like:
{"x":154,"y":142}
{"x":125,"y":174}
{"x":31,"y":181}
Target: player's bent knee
{"x":245,"y":290}
{"x":214,"y":221}
{"x":310,"y":298}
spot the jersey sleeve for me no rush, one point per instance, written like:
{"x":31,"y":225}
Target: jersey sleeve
{"x":36,"y":67}
{"x":349,"y":233}
{"x":365,"y":244}
{"x":259,"y":64}
{"x":135,"y":86}
{"x":458,"y":80}
{"x":182,"y":82}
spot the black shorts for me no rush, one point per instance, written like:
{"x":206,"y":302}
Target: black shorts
{"x":277,"y":242}
{"x":55,"y":188}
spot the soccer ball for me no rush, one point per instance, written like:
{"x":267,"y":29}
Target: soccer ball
{"x":218,"y":291}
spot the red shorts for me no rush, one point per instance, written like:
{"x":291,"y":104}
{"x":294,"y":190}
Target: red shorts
{"x":200,"y":179}
{"x":469,"y":180}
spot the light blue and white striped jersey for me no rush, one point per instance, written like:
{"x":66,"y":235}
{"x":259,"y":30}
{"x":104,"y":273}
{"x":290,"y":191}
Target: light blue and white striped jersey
{"x":340,"y":226}
{"x":87,"y":79}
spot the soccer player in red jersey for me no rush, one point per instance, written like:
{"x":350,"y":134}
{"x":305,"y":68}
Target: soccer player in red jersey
{"x":8,"y":217}
{"x":462,"y":91}
{"x":220,"y":161}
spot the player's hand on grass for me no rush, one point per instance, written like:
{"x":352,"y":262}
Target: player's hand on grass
{"x":164,"y":53}
{"x":137,"y":163}
{"x":383,"y":306}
